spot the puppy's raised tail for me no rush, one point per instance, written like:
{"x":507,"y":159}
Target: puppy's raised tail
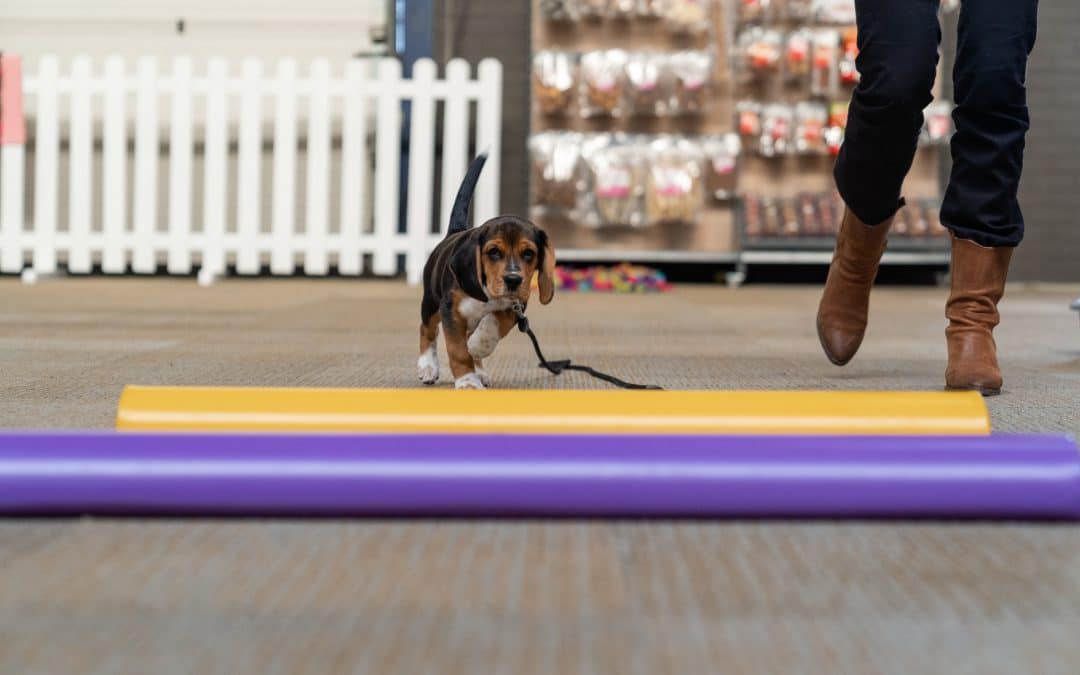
{"x":459,"y":215}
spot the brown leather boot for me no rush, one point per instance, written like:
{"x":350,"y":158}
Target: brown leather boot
{"x":841,"y":318}
{"x":978,"y":282}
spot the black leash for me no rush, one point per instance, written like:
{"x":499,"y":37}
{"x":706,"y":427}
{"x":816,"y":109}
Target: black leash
{"x":557,"y":367}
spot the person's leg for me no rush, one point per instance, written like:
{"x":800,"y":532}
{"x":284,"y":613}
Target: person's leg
{"x":980,"y":205}
{"x":897,"y":62}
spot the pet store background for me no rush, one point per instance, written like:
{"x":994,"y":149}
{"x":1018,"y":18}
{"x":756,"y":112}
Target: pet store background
{"x":648,"y":132}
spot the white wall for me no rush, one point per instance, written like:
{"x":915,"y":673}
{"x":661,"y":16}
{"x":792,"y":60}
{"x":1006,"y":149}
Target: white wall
{"x":234,"y":29}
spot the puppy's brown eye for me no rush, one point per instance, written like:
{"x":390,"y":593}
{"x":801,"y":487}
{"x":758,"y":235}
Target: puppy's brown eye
{"x":494,"y":254}
{"x":528,"y":255}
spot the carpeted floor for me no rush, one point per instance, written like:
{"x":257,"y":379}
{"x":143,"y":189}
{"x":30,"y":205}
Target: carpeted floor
{"x":265,"y":596}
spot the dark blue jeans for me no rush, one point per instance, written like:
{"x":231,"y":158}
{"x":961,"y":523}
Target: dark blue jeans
{"x":898,"y":55}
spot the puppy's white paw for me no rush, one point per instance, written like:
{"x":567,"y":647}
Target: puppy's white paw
{"x":469,"y":381}
{"x":485,"y":338}
{"x":427,"y":367}
{"x":482,"y":373}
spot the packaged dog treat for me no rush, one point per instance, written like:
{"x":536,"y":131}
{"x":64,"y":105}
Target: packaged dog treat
{"x":823,"y":65}
{"x":559,"y":10}
{"x":673,"y":186}
{"x":686,"y":17}
{"x":849,"y":50}
{"x":602,"y":83}
{"x":771,"y":217}
{"x":834,"y":131}
{"x":810,"y":121}
{"x":809,"y":219}
{"x":553,"y":81}
{"x":721,"y":160}
{"x":615,"y":177}
{"x":647,"y":84}
{"x":621,"y":9}
{"x":829,"y":209}
{"x":649,"y":9}
{"x":937,"y":123}
{"x":748,"y":121}
{"x":690,"y":74}
{"x":776,"y":120}
{"x":753,"y":218}
{"x":798,"y":10}
{"x":834,"y":11}
{"x":789,"y":219}
{"x":555,"y":158}
{"x":753,"y":11}
{"x":759,"y":53}
{"x":593,"y":9}
{"x":797,"y":56}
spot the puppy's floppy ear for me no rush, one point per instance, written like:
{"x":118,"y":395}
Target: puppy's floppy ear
{"x":466,"y":268}
{"x":546,"y":276}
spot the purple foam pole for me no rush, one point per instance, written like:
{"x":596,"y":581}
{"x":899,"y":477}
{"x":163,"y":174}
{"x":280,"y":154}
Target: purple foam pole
{"x":1031,"y":477}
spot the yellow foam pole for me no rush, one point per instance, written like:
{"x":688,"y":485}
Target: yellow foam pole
{"x":520,"y":411}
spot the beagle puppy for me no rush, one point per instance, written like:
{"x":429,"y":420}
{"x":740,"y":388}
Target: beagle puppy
{"x":472,"y":280}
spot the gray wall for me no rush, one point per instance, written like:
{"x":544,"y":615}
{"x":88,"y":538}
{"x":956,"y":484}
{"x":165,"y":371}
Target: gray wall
{"x":1050,"y":189}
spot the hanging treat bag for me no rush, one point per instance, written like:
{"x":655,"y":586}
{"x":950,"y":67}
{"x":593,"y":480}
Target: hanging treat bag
{"x":594,"y":10}
{"x":776,"y":123}
{"x":553,"y":81}
{"x":648,"y":84}
{"x":615,"y":168}
{"x":753,"y":11}
{"x":797,"y":49}
{"x":759,"y":51}
{"x":555,"y":173}
{"x":809,"y":218}
{"x":602,"y":83}
{"x":834,"y":11}
{"x":849,"y":50}
{"x":559,"y":10}
{"x":753,"y":218}
{"x":622,"y":9}
{"x":798,"y":10}
{"x":823,"y":65}
{"x":686,"y":17}
{"x":690,"y":75}
{"x":834,"y":131}
{"x":937,"y":123}
{"x":649,"y":9}
{"x":810,"y":122}
{"x":721,"y":156}
{"x":673,"y":188}
{"x":748,"y":121}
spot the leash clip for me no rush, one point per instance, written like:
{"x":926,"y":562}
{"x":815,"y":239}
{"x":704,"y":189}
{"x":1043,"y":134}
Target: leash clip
{"x":522,"y":322}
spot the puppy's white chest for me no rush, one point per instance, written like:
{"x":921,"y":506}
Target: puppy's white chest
{"x":474,"y":310}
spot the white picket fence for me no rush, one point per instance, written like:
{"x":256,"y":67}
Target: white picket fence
{"x":347,"y":101}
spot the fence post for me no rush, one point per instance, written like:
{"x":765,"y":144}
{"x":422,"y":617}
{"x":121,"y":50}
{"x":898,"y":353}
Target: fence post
{"x":46,"y":167}
{"x":488,"y":135}
{"x":353,"y":167}
{"x":421,"y":169}
{"x":144,"y":216}
{"x":80,"y":173}
{"x":215,"y":174}
{"x":114,"y":166}
{"x":317,"y":195}
{"x":180,"y":152}
{"x":387,"y":166}
{"x":249,"y":169}
{"x":284,"y":217}
{"x":455,"y":136}
{"x":12,"y":154}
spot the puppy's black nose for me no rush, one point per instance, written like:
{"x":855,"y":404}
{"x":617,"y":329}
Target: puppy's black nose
{"x":512,"y":281}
